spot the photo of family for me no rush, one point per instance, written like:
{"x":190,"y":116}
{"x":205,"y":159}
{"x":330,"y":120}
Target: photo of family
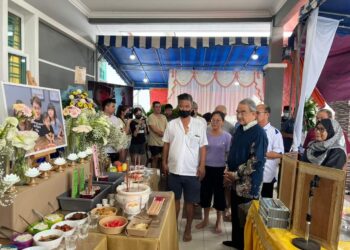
{"x":37,"y":109}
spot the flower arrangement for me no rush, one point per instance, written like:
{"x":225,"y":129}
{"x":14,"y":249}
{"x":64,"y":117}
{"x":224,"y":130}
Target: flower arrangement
{"x":86,"y":127}
{"x":6,"y":197}
{"x":14,"y":144}
{"x":80,"y":99}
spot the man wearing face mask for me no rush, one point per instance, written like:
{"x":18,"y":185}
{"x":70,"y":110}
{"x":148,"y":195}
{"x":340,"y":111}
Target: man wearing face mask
{"x":183,"y":158}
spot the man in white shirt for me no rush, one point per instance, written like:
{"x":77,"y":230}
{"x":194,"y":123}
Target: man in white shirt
{"x":184,"y":155}
{"x":275,"y":150}
{"x":108,"y":107}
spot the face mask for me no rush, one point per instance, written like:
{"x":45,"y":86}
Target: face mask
{"x":138,"y":116}
{"x":192,"y":113}
{"x":286,"y":114}
{"x":184,"y":113}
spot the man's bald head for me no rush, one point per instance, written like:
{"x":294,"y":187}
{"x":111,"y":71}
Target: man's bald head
{"x":221,"y":108}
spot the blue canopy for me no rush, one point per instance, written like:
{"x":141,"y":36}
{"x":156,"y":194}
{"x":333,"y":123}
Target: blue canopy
{"x":154,"y":58}
{"x":337,"y":9}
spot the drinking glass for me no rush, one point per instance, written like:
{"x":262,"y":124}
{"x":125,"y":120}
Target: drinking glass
{"x":71,"y":242}
{"x":93,"y":220}
{"x":83,"y":230}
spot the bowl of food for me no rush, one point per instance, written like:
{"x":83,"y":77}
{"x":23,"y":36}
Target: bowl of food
{"x":50,"y":239}
{"x":67,"y":227}
{"x":113,"y":224}
{"x":38,"y":227}
{"x":22,"y":240}
{"x":53,"y":218}
{"x":132,"y":207}
{"x":103,"y":212}
{"x":78,"y":217}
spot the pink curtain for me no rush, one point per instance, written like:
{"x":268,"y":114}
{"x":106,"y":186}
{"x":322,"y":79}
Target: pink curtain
{"x":211,"y":88}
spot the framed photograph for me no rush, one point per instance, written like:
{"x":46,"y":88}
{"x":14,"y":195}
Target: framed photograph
{"x":47,"y":119}
{"x":55,"y":96}
{"x":38,"y":92}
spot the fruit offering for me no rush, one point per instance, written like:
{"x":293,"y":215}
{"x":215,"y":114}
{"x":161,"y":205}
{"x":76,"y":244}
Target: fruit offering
{"x":114,"y":223}
{"x":124,"y":166}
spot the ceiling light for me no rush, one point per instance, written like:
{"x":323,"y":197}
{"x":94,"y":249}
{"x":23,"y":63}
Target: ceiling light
{"x":145,"y":79}
{"x":255,"y":56}
{"x":236,"y":83}
{"x":10,"y":33}
{"x":132,"y":56}
{"x":23,"y":60}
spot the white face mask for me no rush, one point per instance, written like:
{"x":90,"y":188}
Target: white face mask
{"x":286,"y":114}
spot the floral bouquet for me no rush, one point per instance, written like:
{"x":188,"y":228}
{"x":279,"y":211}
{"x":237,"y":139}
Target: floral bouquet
{"x":13,"y":147}
{"x":24,"y":114}
{"x":80,"y":99}
{"x":6,"y":197}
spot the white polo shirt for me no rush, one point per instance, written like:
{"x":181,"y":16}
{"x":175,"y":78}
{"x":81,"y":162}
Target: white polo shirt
{"x":183,"y":158}
{"x":115,"y":122}
{"x":275,"y":139}
{"x":202,"y":120}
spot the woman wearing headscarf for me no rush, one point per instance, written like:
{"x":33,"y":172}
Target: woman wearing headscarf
{"x":328,"y":149}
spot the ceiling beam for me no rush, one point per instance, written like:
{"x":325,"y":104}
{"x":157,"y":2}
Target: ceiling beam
{"x":287,"y":11}
{"x":198,"y":67}
{"x":113,"y":20}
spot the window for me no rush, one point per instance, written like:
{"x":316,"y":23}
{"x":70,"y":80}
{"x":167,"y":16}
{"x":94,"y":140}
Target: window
{"x":17,"y":60}
{"x":14,"y":32}
{"x":17,"y":69}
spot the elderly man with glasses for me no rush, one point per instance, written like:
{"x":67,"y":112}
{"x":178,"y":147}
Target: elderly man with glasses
{"x":246,"y":162}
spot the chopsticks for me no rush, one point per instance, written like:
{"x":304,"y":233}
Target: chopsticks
{"x":24,"y":220}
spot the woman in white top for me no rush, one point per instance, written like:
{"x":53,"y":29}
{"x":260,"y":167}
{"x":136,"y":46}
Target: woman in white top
{"x":124,"y":125}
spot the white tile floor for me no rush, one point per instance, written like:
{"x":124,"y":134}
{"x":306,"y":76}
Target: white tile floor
{"x":205,"y":238}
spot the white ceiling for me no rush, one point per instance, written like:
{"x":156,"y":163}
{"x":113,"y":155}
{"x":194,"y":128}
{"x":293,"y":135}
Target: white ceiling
{"x":233,"y":8}
{"x":75,"y":15}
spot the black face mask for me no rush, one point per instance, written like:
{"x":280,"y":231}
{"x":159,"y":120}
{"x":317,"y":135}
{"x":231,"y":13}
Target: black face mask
{"x":192,"y":113}
{"x":184,"y":113}
{"x":138,"y":116}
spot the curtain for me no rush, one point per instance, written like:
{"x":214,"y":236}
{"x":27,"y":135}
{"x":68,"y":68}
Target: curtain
{"x":319,"y":39}
{"x":211,"y":88}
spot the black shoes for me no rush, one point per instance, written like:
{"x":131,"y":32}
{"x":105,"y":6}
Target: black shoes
{"x":230,"y":243}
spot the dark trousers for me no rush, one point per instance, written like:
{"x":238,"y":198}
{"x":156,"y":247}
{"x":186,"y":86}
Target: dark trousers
{"x":212,"y":185}
{"x":237,"y":230}
{"x":267,"y":189}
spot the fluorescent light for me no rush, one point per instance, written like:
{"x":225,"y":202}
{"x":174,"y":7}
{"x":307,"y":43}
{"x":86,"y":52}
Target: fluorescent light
{"x":255,"y":56}
{"x":132,"y":56}
{"x":222,"y":34}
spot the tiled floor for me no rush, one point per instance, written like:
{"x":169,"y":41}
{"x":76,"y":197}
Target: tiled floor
{"x":204,"y":239}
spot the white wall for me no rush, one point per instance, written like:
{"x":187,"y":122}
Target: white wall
{"x":142,"y":98}
{"x":31,"y":17}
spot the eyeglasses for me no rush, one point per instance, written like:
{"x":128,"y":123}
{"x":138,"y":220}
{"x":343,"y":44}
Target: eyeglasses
{"x":243,"y":113}
{"x":321,"y":130}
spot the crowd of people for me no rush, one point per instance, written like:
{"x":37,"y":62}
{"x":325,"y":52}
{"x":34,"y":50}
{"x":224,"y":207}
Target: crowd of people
{"x":220,"y":165}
